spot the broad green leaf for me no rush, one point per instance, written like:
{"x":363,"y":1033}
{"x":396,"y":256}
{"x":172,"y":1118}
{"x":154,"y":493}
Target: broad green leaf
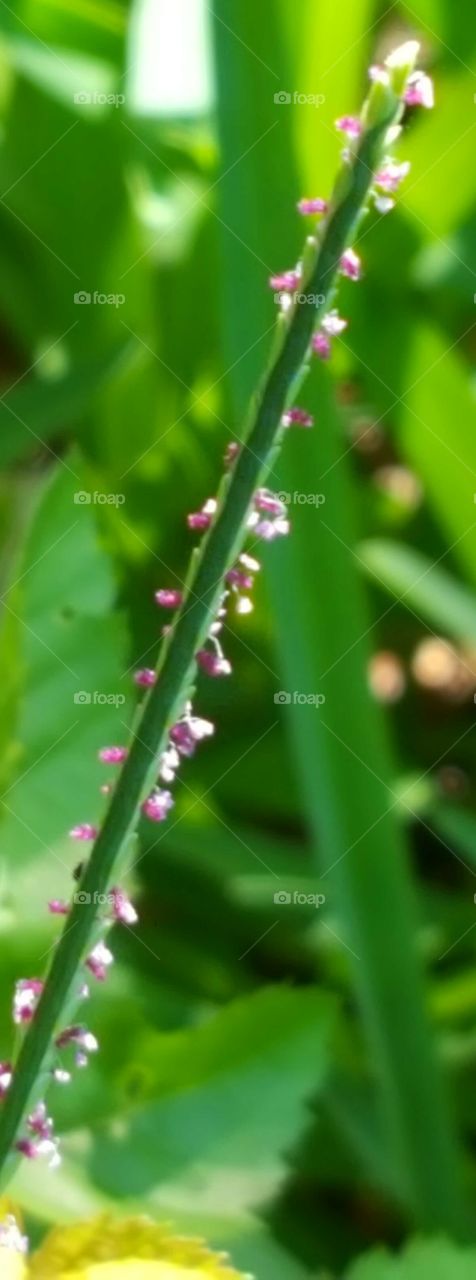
{"x":225,"y":1101}
{"x":71,"y":644}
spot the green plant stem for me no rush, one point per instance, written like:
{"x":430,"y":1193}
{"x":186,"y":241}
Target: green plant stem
{"x":178,"y":661}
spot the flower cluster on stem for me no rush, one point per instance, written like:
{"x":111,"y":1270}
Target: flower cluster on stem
{"x":244,"y":511}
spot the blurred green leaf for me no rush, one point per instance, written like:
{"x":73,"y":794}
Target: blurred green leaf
{"x":412,"y":578}
{"x":438,"y":1259}
{"x":70,"y":644}
{"x":226,"y":1100}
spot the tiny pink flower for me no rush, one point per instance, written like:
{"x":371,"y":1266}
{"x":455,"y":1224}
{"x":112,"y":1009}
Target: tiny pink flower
{"x":419,"y":91}
{"x":333,"y":323}
{"x":198,"y":521}
{"x":6,"y":1073}
{"x":113,"y":755}
{"x":297,"y":418}
{"x":350,"y":265}
{"x":391,"y":175}
{"x":84,"y":831}
{"x":201,"y":520}
{"x":122,"y":909}
{"x":58,"y":908}
{"x":287,"y":282}
{"x":268,"y":530}
{"x":32,"y":1149}
{"x":214,"y":664}
{"x":237,"y":578}
{"x":321,"y":345}
{"x":264,"y":500}
{"x":312,"y":206}
{"x":39,"y":1121}
{"x":188,"y":732}
{"x":82,"y":1040}
{"x":350,"y":125}
{"x":168,"y":599}
{"x":25,"y":1000}
{"x":99,"y":959}
{"x":42,"y":1142}
{"x":158,"y":805}
{"x":145,"y":678}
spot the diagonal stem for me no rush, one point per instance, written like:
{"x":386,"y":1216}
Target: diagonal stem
{"x":177,"y":664}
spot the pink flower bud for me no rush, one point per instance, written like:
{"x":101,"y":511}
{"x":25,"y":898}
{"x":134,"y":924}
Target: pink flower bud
{"x":419,"y":91}
{"x":84,"y":831}
{"x":350,"y":265}
{"x":25,"y":1000}
{"x":158,"y":805}
{"x":214,"y":664}
{"x":169,"y":599}
{"x":145,"y":678}
{"x":113,"y":755}
{"x":297,"y":418}
{"x":350,"y":125}
{"x":200,"y":520}
{"x":122,"y":908}
{"x":312,"y":206}
{"x":99,"y":960}
{"x":321,"y":346}
{"x":287,"y":282}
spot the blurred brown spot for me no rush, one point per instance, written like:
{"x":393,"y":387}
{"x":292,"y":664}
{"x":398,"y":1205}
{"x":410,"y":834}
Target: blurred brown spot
{"x":386,"y":676}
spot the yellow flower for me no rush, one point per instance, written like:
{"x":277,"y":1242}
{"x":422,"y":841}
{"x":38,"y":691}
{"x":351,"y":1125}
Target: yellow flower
{"x":106,"y":1249}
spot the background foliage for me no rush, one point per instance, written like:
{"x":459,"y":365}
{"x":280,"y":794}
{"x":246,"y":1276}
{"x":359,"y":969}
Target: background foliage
{"x":267,"y":1076}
